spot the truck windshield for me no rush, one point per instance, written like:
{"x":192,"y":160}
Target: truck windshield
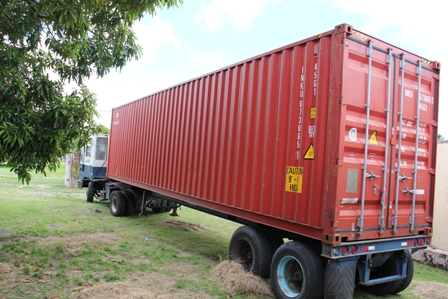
{"x":101,"y":148}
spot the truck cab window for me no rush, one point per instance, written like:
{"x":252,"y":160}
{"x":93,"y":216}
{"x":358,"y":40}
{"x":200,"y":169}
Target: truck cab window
{"x":101,"y":148}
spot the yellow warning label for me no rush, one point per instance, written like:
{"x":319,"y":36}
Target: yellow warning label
{"x":294,"y":177}
{"x":374,"y":139}
{"x":313,"y":112}
{"x":309,"y":154}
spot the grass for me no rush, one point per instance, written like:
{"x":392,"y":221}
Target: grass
{"x":60,"y":246}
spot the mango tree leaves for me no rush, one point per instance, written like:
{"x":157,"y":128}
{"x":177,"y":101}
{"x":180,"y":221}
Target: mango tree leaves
{"x":45,"y":44}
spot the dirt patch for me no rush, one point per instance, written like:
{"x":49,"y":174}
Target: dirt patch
{"x":182,"y":270}
{"x":4,"y":268}
{"x":232,"y":280}
{"x":5,"y":231}
{"x":116,"y":290}
{"x":123,"y":290}
{"x":185,"y":225}
{"x":96,"y":240}
{"x":434,"y":290}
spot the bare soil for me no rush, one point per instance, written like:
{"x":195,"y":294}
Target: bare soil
{"x":434,"y":290}
{"x":123,"y":290}
{"x":95,"y":239}
{"x":185,"y":225}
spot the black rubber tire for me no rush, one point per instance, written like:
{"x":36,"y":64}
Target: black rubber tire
{"x":382,"y":289}
{"x":130,"y":202}
{"x":403,"y":284}
{"x":117,"y":203}
{"x":340,"y":278}
{"x":90,"y":191}
{"x":160,"y":209}
{"x":275,"y":240}
{"x":297,"y":272}
{"x":250,"y":247}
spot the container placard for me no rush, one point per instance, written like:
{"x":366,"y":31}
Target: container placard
{"x":294,"y":177}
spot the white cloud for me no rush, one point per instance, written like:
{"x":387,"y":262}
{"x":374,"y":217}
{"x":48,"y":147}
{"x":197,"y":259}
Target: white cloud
{"x":238,"y":13}
{"x":158,"y":34}
{"x":211,"y":59}
{"x":412,"y":20}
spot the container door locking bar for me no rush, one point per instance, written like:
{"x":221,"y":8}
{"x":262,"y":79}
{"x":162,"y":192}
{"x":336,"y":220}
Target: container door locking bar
{"x":417,"y":127}
{"x":364,"y":167}
{"x":386,"y":146}
{"x":400,"y":136}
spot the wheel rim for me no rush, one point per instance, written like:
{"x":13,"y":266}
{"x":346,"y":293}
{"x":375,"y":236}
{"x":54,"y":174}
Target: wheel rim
{"x":290,"y":276}
{"x":113,"y":204}
{"x":243,"y":253}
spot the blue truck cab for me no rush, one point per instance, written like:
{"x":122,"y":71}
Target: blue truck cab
{"x":93,"y":165}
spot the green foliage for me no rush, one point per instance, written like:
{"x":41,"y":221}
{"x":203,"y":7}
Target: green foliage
{"x":44,"y":45}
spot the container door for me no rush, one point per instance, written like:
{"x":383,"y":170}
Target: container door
{"x":388,"y":141}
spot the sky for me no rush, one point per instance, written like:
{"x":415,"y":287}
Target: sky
{"x":201,"y":36}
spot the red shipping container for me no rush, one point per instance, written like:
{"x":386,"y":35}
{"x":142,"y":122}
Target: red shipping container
{"x":332,"y":137}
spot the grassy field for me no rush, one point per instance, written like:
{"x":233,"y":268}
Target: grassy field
{"x":53,"y":244}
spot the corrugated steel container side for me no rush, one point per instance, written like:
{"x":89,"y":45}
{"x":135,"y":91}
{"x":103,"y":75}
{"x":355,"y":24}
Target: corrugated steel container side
{"x":266,"y":139}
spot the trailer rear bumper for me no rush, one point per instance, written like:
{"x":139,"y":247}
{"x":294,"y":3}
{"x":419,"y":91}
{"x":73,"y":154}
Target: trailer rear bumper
{"x":369,"y":247}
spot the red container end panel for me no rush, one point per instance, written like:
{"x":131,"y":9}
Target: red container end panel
{"x":385,"y":132}
{"x":280,"y":139}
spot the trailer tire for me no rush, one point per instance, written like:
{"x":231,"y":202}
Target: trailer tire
{"x":117,"y":203}
{"x":250,"y":247}
{"x":392,"y":287}
{"x":340,"y":278}
{"x":275,"y":240}
{"x":403,"y":284}
{"x":130,"y":202}
{"x":90,"y":191}
{"x":297,"y":272}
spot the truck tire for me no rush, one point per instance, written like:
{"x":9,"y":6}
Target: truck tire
{"x":392,"y":287}
{"x":340,"y":278}
{"x":275,"y":240}
{"x":250,"y":247}
{"x":382,"y":289}
{"x":90,"y":191}
{"x":297,"y":272}
{"x":117,"y":203}
{"x":160,"y":209}
{"x":130,"y":202}
{"x":403,"y":284}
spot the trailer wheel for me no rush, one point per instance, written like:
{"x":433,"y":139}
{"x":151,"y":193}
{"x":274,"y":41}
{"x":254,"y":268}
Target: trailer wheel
{"x":90,"y":191}
{"x":130,"y":202}
{"x":392,"y":287}
{"x":340,"y":278}
{"x":275,"y":240}
{"x":117,"y":203}
{"x":250,"y":246}
{"x":160,"y":209}
{"x":297,"y":272}
{"x":403,"y":284}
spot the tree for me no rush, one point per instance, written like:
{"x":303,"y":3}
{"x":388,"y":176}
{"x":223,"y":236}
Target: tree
{"x":45,"y":44}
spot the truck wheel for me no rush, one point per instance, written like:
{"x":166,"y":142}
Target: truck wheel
{"x":117,"y":203}
{"x":297,"y":272}
{"x":275,"y":240}
{"x":130,"y":202}
{"x":340,"y":278}
{"x":159,"y":209}
{"x":90,"y":191}
{"x":250,"y":247}
{"x":403,"y":284}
